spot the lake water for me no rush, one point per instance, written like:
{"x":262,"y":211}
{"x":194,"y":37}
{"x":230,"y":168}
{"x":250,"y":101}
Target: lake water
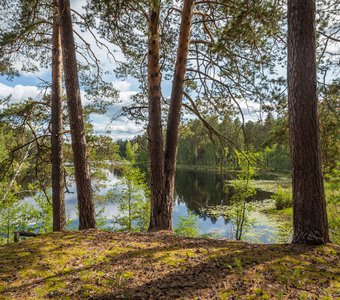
{"x":196,"y":190}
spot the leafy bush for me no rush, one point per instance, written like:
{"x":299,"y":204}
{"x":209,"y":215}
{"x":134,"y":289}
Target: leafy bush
{"x":282,"y":199}
{"x":187,"y":226}
{"x":132,"y":195}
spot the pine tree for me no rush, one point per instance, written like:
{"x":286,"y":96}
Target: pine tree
{"x":309,"y":205}
{"x":80,"y":160}
{"x":57,"y":159}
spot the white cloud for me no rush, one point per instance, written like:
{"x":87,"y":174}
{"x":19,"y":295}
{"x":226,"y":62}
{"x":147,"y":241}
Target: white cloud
{"x":121,"y":85}
{"x":125,"y":97}
{"x":20,"y":92}
{"x":121,"y":128}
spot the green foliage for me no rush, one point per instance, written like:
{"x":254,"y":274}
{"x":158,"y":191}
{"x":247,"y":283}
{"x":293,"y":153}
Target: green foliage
{"x":282,"y":199}
{"x":240,"y":209}
{"x":130,"y":152}
{"x":131,"y":194}
{"x":332,"y":189}
{"x":101,"y":219}
{"x":187,"y":226}
{"x":25,"y":156}
{"x":42,"y":213}
{"x":14,"y":215}
{"x":243,"y":190}
{"x":199,"y":147}
{"x":329,"y":115}
{"x":18,"y":215}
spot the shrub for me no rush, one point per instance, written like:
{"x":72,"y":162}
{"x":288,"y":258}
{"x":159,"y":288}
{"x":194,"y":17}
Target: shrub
{"x":187,"y":226}
{"x":282,"y":199}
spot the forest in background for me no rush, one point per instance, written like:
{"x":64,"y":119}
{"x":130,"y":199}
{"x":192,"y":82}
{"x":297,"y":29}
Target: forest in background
{"x":90,"y":216}
{"x":212,"y":58}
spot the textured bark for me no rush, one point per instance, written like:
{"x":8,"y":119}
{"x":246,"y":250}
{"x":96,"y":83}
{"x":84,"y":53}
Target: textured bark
{"x":159,"y":220}
{"x":310,"y":217}
{"x":57,"y":159}
{"x":81,"y":166}
{"x":163,"y":164}
{"x":174,"y":115}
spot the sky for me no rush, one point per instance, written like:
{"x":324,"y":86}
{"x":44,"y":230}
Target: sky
{"x":27,"y":85}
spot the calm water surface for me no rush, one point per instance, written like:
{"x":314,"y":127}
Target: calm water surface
{"x":196,"y":190}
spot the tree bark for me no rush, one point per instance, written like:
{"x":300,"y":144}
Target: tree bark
{"x":159,"y":219}
{"x":174,"y":115}
{"x":163,"y":164}
{"x":81,"y":166}
{"x":57,"y":159}
{"x":309,"y":207}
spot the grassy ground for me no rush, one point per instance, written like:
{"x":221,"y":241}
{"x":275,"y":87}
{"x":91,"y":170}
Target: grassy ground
{"x":103,"y":265}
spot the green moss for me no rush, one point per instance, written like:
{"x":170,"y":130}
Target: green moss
{"x":79,"y":268}
{"x":170,"y":259}
{"x":303,"y":296}
{"x":39,"y":293}
{"x":116,"y":250}
{"x":225,"y":295}
{"x":86,"y":289}
{"x":174,"y":257}
{"x":55,"y":285}
{"x":23,"y":254}
{"x":34,"y":273}
{"x":127,"y":274}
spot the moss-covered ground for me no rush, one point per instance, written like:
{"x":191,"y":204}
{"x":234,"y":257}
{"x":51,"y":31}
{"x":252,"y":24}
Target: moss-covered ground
{"x":103,"y":265}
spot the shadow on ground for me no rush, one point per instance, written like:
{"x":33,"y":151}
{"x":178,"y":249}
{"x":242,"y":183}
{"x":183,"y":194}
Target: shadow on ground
{"x":103,"y":265}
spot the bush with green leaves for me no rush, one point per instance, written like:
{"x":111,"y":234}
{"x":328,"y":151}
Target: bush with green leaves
{"x":240,"y":209}
{"x":187,"y":226}
{"x":282,"y":199}
{"x":18,"y":215}
{"x":132,"y":195}
{"x":243,"y":189}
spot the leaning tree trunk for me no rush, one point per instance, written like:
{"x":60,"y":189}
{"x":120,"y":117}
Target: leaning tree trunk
{"x":58,"y":182}
{"x":82,"y":172}
{"x":310,"y":217}
{"x":159,"y":219}
{"x":174,"y":114}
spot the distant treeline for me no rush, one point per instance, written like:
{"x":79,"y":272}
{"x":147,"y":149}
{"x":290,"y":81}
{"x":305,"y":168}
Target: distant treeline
{"x":267,"y":140}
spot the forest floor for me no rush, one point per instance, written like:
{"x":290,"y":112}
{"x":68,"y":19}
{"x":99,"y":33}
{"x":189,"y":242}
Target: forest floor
{"x":96,"y":264}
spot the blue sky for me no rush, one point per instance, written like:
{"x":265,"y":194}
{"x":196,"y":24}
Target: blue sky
{"x":26,"y":85}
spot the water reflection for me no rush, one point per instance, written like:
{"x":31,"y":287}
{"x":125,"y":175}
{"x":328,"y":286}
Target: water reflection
{"x":198,"y":190}
{"x":194,"y":191}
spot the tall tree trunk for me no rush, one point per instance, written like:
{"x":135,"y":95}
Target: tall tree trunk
{"x":163,"y":165}
{"x":310,"y":217}
{"x":159,"y":217}
{"x":174,"y":115}
{"x":58,"y":182}
{"x":81,"y":166}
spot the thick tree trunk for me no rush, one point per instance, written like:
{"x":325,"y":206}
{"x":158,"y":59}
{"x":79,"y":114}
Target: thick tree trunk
{"x":58,"y":182}
{"x":159,"y":219}
{"x":82,"y":172}
{"x":174,"y":115}
{"x":310,"y":217}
